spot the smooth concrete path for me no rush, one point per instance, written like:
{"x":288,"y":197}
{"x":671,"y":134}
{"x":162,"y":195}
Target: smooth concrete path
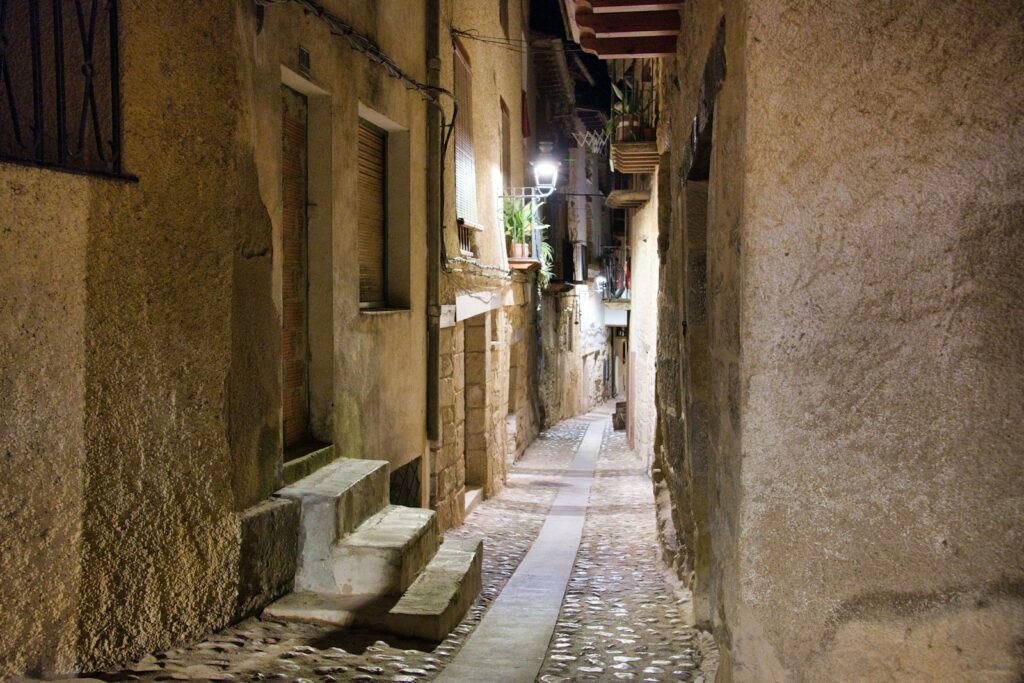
{"x":511,"y":642}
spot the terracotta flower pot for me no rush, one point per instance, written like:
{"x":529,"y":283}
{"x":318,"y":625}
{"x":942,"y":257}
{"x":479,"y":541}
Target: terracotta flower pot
{"x":520,"y":250}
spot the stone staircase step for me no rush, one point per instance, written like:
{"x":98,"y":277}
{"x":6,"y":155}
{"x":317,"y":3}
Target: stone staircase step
{"x":335,"y":500}
{"x":386,"y":553}
{"x":330,"y":610}
{"x":442,"y":595}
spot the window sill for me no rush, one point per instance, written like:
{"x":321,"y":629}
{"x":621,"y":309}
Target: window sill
{"x":383,"y":310}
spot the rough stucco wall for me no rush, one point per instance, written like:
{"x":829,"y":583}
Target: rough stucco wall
{"x":42,"y":381}
{"x":378,"y":408}
{"x":496,"y":76}
{"x":883,"y":362}
{"x":643,"y":323}
{"x":697,"y":458}
{"x":672,"y":489}
{"x":158,"y":289}
{"x":156,"y":336}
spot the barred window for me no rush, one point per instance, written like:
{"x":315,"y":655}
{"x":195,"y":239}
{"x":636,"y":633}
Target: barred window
{"x":59,"y":85}
{"x":465,"y":164}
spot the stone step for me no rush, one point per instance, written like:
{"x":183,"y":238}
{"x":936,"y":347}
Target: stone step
{"x":386,"y":553}
{"x":335,"y":500}
{"x":433,"y":605}
{"x":331,"y":610}
{"x":442,"y":595}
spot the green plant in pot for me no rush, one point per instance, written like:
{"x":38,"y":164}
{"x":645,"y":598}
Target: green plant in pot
{"x":519,"y":217}
{"x":523,"y":226}
{"x":629,"y":113}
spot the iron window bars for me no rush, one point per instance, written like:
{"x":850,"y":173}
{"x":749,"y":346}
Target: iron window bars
{"x":59,"y":85}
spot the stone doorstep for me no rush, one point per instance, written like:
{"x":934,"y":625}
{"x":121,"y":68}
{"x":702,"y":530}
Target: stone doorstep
{"x":386,"y":553}
{"x":442,"y":595}
{"x":330,"y":610}
{"x":432,"y":606}
{"x":335,"y":500}
{"x":474,"y":494}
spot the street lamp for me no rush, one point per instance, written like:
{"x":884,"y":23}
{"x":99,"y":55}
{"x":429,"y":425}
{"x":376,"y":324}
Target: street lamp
{"x":545,"y":170}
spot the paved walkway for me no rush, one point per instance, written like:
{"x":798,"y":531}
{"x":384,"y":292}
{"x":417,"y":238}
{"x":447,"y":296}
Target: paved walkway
{"x":619,"y":618}
{"x":513,"y":637}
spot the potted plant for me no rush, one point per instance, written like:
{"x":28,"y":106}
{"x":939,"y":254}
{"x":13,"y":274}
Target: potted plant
{"x":628,"y":121}
{"x":518,"y":216}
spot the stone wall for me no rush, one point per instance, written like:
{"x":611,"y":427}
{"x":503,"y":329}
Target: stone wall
{"x":851,"y":365}
{"x":480,"y":351}
{"x":448,"y":463}
{"x":643,"y":324}
{"x":574,"y":349}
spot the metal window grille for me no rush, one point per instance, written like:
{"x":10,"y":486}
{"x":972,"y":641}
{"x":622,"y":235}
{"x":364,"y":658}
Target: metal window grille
{"x":465,"y":164}
{"x":405,"y":484}
{"x":59,"y":85}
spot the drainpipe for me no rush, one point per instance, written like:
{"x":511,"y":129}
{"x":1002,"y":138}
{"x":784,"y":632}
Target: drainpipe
{"x":435,"y":221}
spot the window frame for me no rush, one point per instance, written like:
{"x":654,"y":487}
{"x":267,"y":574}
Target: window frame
{"x":385,"y":166}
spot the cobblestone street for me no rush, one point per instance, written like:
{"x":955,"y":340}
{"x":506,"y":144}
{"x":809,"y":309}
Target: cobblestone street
{"x":620,"y":619}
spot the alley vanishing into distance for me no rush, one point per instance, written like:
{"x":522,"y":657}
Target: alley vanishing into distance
{"x":617,"y":615}
{"x":505,"y":341}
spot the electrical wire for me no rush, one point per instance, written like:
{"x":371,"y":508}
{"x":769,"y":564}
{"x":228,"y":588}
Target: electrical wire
{"x":513,"y":44}
{"x":364,"y":44}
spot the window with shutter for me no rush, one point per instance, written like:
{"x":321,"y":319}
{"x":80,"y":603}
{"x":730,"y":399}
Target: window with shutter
{"x":465,"y":166}
{"x":372,"y":204}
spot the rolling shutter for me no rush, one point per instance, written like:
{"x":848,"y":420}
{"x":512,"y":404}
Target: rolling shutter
{"x":372,"y":214}
{"x":465,"y":166}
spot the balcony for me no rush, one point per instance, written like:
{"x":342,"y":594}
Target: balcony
{"x":636,"y":106}
{"x":629,"y":192}
{"x":527,"y":256}
{"x":615,"y":269}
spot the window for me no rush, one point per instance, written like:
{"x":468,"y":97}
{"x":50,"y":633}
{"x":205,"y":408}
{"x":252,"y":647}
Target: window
{"x":465,"y":166}
{"x":59,"y":73}
{"x":372,"y":202}
{"x":384,"y":210}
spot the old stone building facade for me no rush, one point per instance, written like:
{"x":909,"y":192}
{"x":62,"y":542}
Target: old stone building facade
{"x":249,"y":248}
{"x":839,"y":348}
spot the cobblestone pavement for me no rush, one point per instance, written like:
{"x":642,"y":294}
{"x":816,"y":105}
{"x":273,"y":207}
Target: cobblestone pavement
{"x":619,"y":620}
{"x":256,"y":650}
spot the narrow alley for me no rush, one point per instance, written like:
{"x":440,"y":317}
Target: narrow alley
{"x":621,"y":617}
{"x":512,"y":341}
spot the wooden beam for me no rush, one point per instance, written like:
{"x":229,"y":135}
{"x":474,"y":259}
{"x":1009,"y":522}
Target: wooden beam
{"x":629,"y":48}
{"x":631,"y":5}
{"x":629,"y":24}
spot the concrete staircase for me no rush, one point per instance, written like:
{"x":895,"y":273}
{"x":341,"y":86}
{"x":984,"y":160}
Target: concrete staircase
{"x":364,"y":562}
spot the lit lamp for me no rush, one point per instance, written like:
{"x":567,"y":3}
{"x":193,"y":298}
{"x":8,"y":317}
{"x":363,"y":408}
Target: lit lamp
{"x":545,"y":170}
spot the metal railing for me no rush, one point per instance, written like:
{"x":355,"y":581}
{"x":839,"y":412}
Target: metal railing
{"x":616,"y":272}
{"x":636,"y":99}
{"x":59,"y":85}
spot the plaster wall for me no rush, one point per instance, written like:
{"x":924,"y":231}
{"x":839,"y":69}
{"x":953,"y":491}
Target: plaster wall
{"x":864,"y":282}
{"x":376,"y":409}
{"x":43,"y":232}
{"x":643,"y":324}
{"x":883,"y":363}
{"x":141,"y":350}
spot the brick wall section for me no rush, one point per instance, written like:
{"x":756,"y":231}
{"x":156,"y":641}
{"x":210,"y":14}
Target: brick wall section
{"x":488,"y":348}
{"x":448,"y":466}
